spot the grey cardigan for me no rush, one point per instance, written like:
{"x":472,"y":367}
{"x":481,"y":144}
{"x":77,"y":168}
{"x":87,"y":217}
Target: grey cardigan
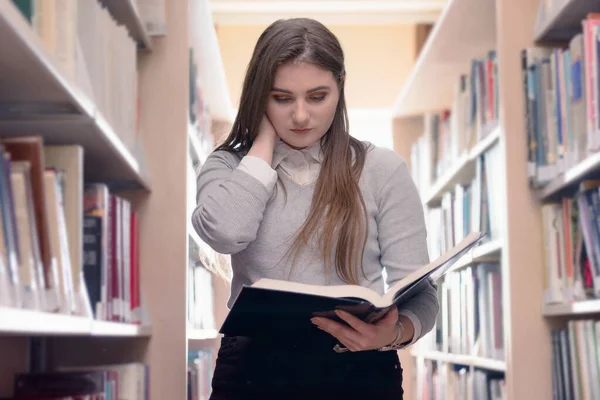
{"x":239,"y":213}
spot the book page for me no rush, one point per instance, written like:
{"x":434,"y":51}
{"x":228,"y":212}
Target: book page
{"x":436,"y":268}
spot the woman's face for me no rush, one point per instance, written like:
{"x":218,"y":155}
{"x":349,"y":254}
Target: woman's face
{"x":302,"y":103}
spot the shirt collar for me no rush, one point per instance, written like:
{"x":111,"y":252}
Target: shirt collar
{"x":282,"y":150}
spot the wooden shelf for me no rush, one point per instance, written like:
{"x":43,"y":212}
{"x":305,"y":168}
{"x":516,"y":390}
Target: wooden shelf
{"x":202,"y":334}
{"x":463,"y":170}
{"x":563,"y":22}
{"x":572,"y":309}
{"x":55,"y":108}
{"x":126,"y":13}
{"x":14,"y":321}
{"x":458,"y":359}
{"x":588,"y":168}
{"x":457,"y":38}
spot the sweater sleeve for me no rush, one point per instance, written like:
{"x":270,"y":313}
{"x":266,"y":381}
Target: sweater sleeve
{"x":231,"y":201}
{"x":403,"y":245}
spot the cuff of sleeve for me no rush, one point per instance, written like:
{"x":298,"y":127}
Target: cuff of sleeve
{"x":416,"y":324}
{"x":259,"y":169}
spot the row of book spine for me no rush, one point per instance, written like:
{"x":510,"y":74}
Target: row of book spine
{"x":471,"y":207}
{"x":64,"y":247}
{"x":561,"y":89}
{"x":576,"y":360}
{"x":444,"y":381}
{"x":95,"y":54}
{"x":99,"y":382}
{"x":471,"y":317}
{"x":452,"y":133}
{"x":571,"y":227}
{"x":470,"y":321}
{"x":200,"y":372}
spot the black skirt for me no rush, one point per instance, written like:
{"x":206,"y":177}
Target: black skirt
{"x":293,"y":369}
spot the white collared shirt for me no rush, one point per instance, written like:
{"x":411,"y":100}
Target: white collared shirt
{"x":301,"y":166}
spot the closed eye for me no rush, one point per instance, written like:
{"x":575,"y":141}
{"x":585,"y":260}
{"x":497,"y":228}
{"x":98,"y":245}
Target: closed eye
{"x":281,"y":99}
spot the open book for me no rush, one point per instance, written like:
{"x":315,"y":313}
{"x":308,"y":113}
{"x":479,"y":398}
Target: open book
{"x":274,"y":307}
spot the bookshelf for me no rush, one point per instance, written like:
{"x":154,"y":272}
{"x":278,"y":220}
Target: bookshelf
{"x":120,"y":128}
{"x":62,"y":112}
{"x":30,"y":322}
{"x":562,"y":20}
{"x":470,"y":361}
{"x":462,"y":170}
{"x":448,"y":53}
{"x":126,"y":13}
{"x":572,"y":309}
{"x":443,"y":57}
{"x":545,"y":314}
{"x":568,"y":180}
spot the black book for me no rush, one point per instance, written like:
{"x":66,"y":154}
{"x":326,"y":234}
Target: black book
{"x":275,"y":308}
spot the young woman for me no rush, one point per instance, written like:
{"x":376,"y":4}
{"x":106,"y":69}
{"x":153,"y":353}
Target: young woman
{"x":291,"y":195}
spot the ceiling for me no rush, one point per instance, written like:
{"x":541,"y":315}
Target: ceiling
{"x":343,"y":12}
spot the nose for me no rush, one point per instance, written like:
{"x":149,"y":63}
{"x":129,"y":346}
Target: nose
{"x":300,"y":114}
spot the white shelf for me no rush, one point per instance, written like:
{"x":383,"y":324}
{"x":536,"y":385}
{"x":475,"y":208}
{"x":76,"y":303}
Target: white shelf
{"x":570,"y":178}
{"x":472,"y":361}
{"x":55,"y":108}
{"x":564,"y":21}
{"x":456,"y":39}
{"x":106,"y":328}
{"x":572,"y":309}
{"x":487,"y":252}
{"x":126,"y":13}
{"x":463,"y":170}
{"x":14,"y":321}
{"x":202,"y":334}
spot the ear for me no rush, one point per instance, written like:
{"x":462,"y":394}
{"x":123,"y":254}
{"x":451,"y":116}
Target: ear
{"x":342,"y":78}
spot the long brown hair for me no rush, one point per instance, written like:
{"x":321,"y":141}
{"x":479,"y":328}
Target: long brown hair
{"x":337,"y":218}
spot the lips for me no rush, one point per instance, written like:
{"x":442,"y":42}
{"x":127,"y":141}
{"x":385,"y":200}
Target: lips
{"x":301,"y":131}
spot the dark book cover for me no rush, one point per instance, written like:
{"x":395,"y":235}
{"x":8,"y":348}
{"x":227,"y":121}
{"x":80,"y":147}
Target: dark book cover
{"x":269,"y":311}
{"x":30,"y":385}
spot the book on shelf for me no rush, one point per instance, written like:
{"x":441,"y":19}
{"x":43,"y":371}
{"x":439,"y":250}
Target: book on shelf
{"x":94,"y":54}
{"x":576,"y":360}
{"x":470,"y":320}
{"x":442,"y":380}
{"x":571,"y":229}
{"x":200,"y":372}
{"x":54,"y":251}
{"x":98,"y":382}
{"x":280,"y":307}
{"x":450,"y":134}
{"x":473,"y":206}
{"x":560,"y":88}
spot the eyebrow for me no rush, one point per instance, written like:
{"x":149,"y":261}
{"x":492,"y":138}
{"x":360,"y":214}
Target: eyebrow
{"x":316,"y":89}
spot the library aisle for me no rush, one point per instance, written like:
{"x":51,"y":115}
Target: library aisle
{"x":109,"y":108}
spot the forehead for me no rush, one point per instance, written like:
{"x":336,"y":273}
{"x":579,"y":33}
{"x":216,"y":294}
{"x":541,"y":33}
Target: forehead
{"x":302,"y":76}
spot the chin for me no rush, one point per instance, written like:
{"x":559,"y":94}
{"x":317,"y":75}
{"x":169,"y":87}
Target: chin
{"x":300,"y":142}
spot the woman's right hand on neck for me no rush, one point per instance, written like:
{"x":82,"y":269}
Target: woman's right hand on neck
{"x":265,"y":142}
